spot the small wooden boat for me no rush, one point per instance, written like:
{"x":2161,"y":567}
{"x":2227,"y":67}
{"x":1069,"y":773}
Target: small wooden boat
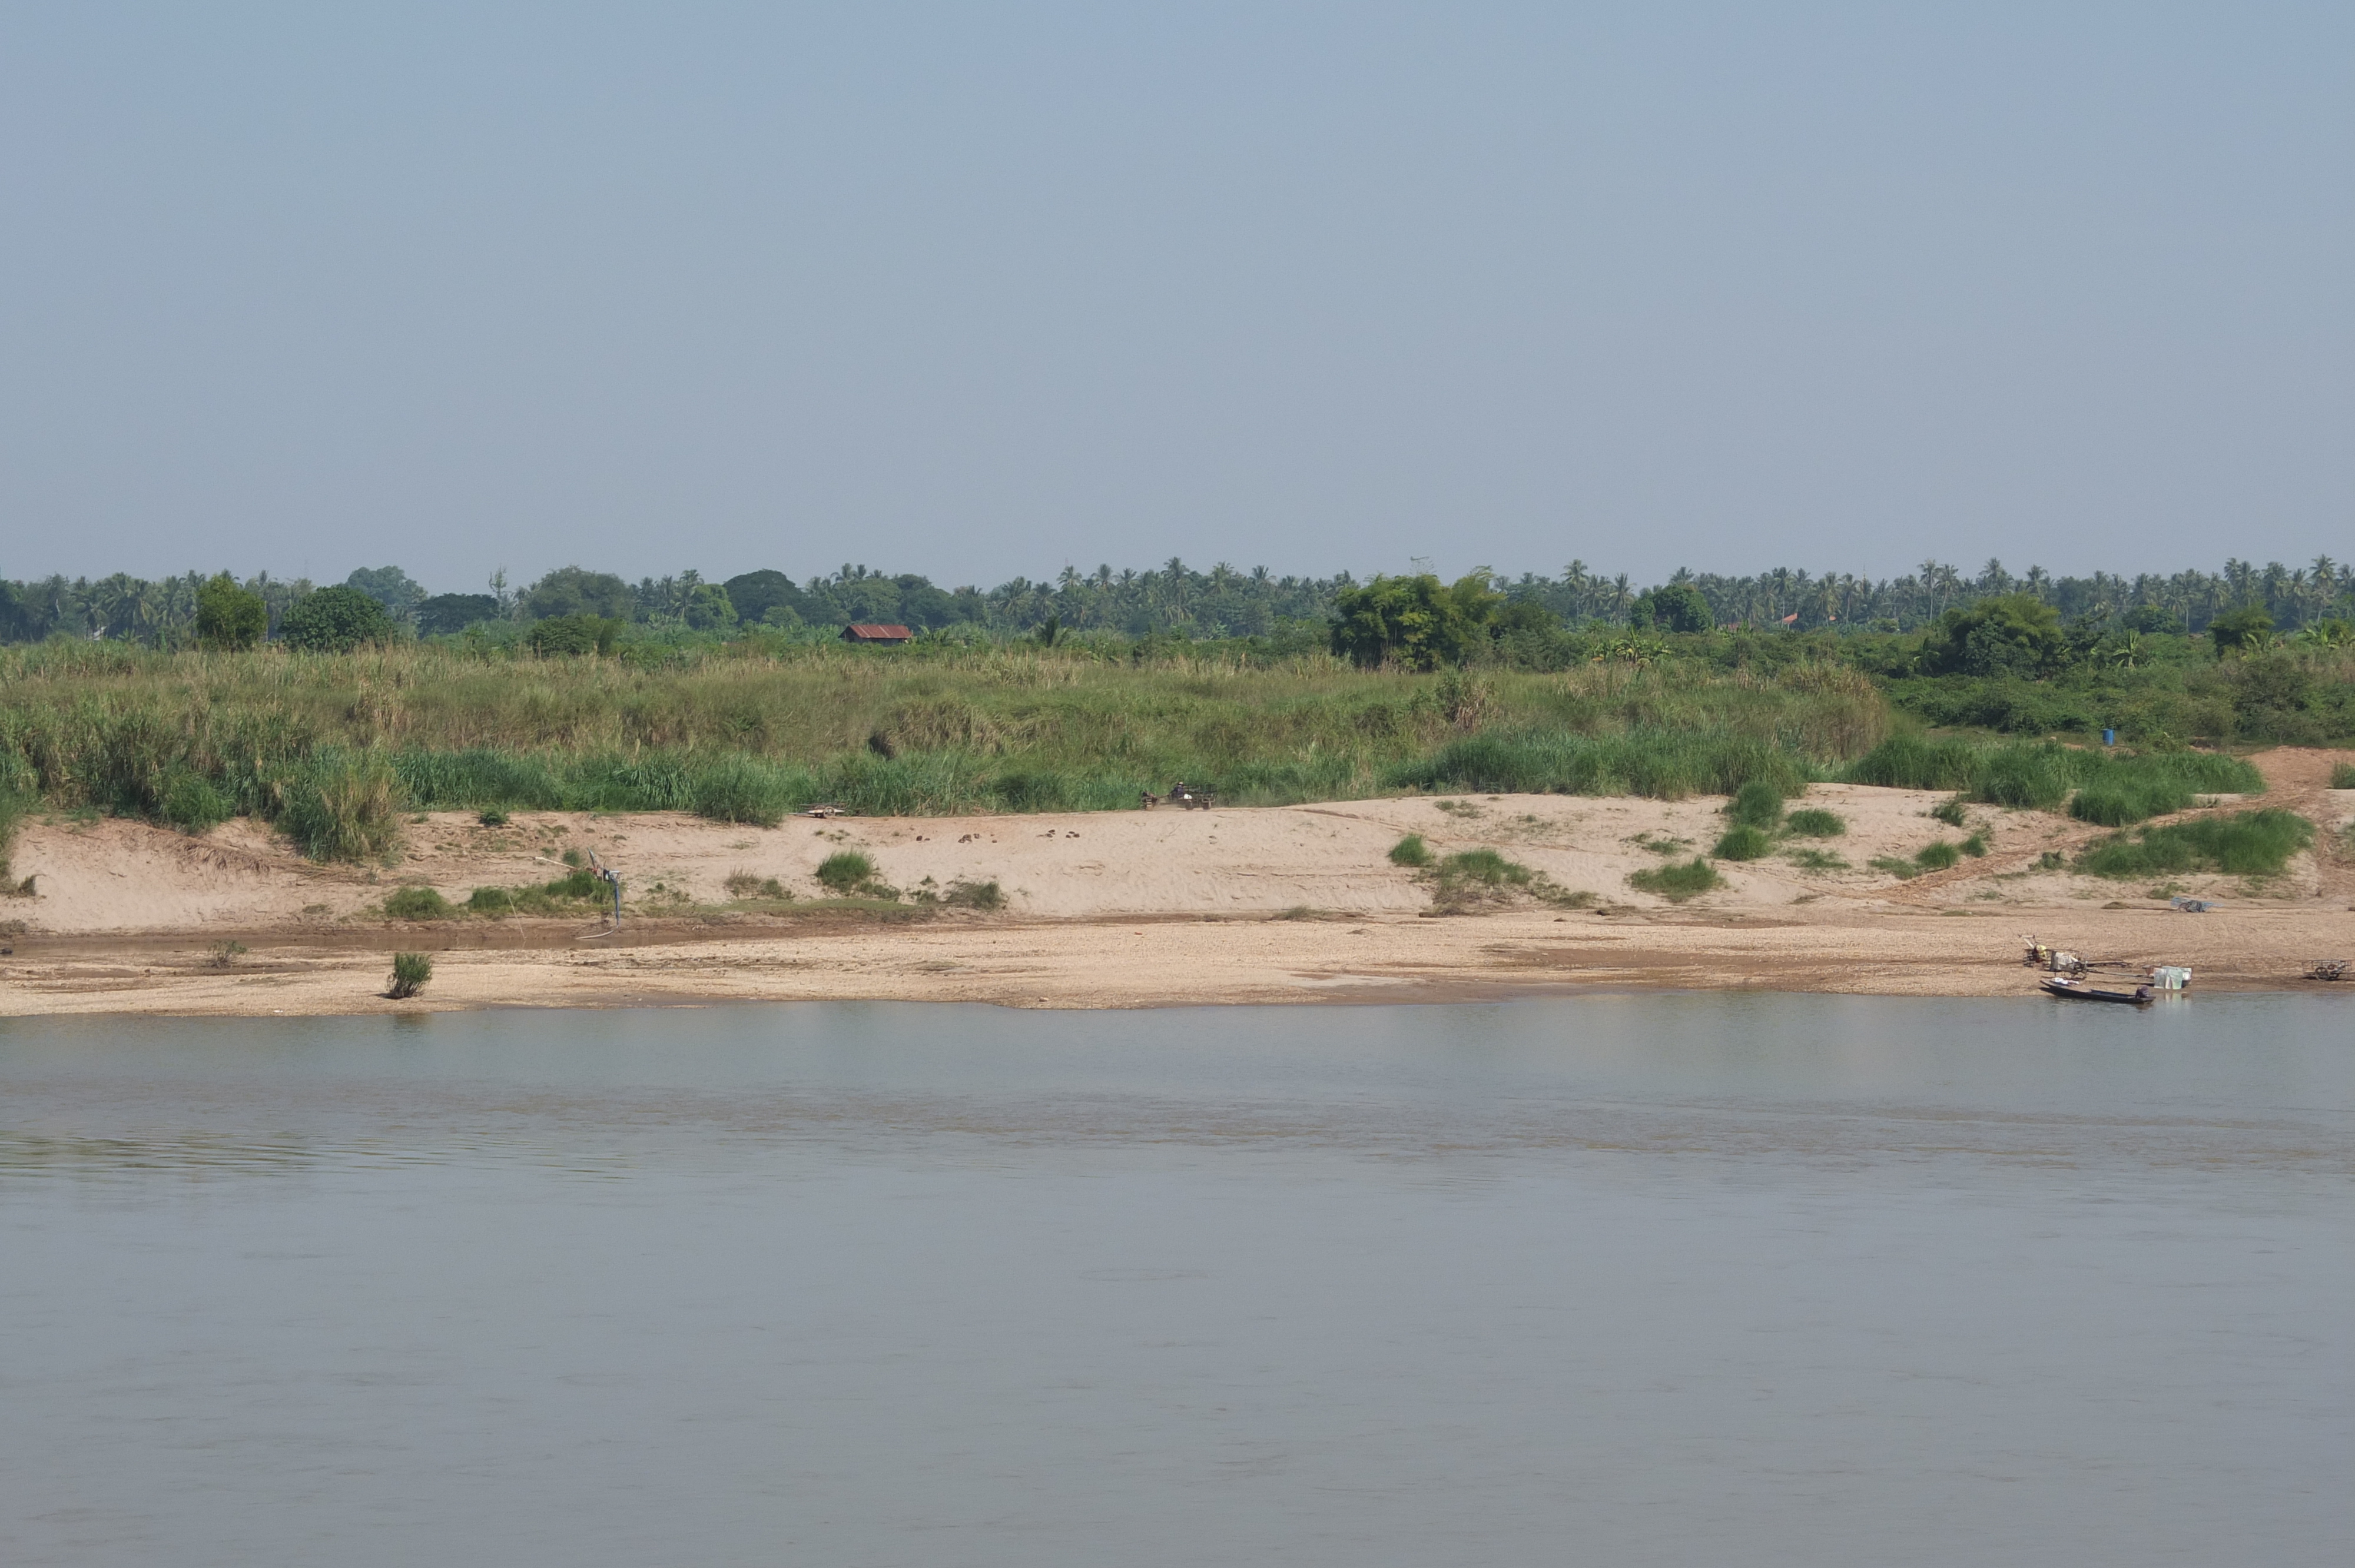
{"x":2061,"y":985}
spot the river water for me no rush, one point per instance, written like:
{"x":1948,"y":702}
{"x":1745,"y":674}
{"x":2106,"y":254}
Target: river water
{"x":1663,"y":1279}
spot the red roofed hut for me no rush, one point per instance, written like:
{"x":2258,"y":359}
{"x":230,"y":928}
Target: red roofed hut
{"x":872,"y":633}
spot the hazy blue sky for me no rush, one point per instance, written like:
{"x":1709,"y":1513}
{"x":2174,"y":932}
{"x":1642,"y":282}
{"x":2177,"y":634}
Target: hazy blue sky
{"x":981,"y":289}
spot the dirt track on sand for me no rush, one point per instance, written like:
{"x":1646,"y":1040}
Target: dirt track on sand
{"x":1137,"y":909}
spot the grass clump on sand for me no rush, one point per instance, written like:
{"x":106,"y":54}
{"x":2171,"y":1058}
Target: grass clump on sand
{"x":1743,"y":842}
{"x":410,"y":973}
{"x":1757,"y":804}
{"x":1411,"y":851}
{"x":2111,"y":787}
{"x":2246,"y":843}
{"x":561,"y":897}
{"x":417,"y":904}
{"x":751,"y":884}
{"x":1810,"y":859}
{"x":1950,"y":810}
{"x":1481,"y":877}
{"x":848,"y":874}
{"x":2342,"y":776}
{"x":1939,"y":856}
{"x":1815,"y":823}
{"x":982,"y":896}
{"x":1678,"y":881}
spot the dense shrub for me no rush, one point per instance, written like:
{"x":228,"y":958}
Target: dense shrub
{"x":334,"y":620}
{"x":565,"y":636}
{"x":1938,"y":856}
{"x":1814,"y":822}
{"x":1413,"y":623}
{"x":447,"y":612}
{"x":2015,"y":635}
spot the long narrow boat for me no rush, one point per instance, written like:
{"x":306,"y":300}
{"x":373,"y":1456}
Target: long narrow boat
{"x":2061,"y":985}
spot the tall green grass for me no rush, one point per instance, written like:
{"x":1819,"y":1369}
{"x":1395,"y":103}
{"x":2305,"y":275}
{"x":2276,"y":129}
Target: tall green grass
{"x":334,"y":748}
{"x":2246,"y":843}
{"x":1663,"y":764}
{"x":2112,"y":789}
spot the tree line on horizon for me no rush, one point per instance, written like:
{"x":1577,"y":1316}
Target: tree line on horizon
{"x":1172,"y":601}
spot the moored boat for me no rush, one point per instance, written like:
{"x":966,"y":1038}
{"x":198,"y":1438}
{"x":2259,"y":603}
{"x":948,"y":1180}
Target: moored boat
{"x":2061,"y":985}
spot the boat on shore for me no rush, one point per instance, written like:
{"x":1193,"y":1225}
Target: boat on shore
{"x":2077,"y":990}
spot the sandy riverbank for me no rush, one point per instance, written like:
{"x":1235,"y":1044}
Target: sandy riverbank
{"x":1132,"y":909}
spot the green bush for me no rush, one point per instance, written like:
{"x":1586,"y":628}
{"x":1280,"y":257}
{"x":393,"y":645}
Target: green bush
{"x":566,"y":636}
{"x":1938,"y":856}
{"x":1815,"y":824}
{"x":417,"y":904}
{"x":1743,"y":842}
{"x":1410,"y":850}
{"x":229,"y":616}
{"x":493,"y":902}
{"x":845,"y":872}
{"x":1678,"y":881}
{"x":2342,"y":776}
{"x":1976,"y":845}
{"x":2246,"y":843}
{"x":410,"y":973}
{"x":1949,"y":812}
{"x":1757,"y":804}
{"x":493,"y":818}
{"x":334,"y":620}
